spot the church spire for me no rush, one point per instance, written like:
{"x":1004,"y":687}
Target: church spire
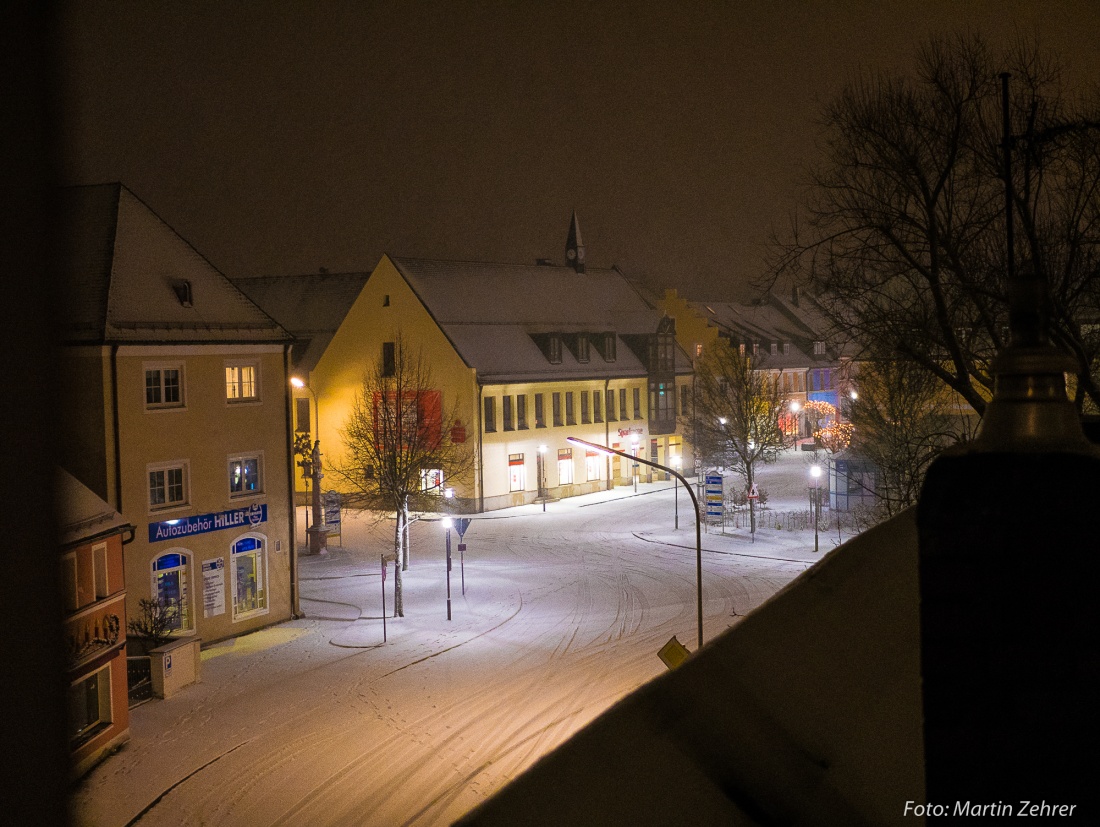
{"x":574,"y":247}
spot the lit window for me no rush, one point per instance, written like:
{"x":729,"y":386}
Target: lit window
{"x":240,"y":383}
{"x":249,"y":569}
{"x":171,"y":587}
{"x":167,"y":485}
{"x":164,"y":386}
{"x":565,"y":466}
{"x":517,"y":473}
{"x":245,"y":476}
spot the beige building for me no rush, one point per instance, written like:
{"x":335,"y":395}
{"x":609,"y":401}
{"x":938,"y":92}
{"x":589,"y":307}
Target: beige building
{"x":178,"y":416}
{"x":528,"y":355}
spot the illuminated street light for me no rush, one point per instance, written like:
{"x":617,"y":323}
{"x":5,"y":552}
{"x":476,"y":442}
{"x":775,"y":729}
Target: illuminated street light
{"x":447,"y":523}
{"x":694,"y":502}
{"x":815,"y":473}
{"x":318,"y":532}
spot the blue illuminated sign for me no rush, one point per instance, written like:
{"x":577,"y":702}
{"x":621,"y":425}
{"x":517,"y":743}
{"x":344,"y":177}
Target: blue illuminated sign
{"x":248,"y":517}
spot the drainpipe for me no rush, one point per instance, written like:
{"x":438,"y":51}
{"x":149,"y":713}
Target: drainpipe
{"x":480,"y":450}
{"x":607,"y":434}
{"x":288,"y":395}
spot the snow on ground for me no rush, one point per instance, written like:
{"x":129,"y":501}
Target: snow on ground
{"x":316,"y":721}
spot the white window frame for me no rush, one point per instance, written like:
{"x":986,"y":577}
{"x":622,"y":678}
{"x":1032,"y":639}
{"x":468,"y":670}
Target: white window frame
{"x":258,"y":456}
{"x":187,"y":591}
{"x":565,"y":466}
{"x":161,"y":367}
{"x":176,"y":464}
{"x":261,"y":567}
{"x":240,"y":365}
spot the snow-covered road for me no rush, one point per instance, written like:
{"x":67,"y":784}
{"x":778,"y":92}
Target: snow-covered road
{"x":317,"y":722}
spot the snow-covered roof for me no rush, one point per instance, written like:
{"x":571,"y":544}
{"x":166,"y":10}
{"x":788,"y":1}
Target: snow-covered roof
{"x":131,"y":278}
{"x":762,"y":324}
{"x":491,"y":311}
{"x":311,"y":306}
{"x":81,"y":514}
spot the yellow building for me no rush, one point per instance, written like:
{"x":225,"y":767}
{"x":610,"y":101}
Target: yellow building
{"x":178,"y":416}
{"x":528,"y":355}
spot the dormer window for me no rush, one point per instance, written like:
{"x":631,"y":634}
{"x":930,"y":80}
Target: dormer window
{"x":582,"y":348}
{"x":786,"y":348}
{"x":775,"y":348}
{"x":554,"y":349}
{"x":609,"y":354}
{"x":819,"y":348}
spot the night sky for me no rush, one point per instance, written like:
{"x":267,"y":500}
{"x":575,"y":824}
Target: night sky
{"x":282,"y":137}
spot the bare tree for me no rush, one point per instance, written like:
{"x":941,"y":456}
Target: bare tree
{"x":903,"y":419}
{"x":737,"y":409}
{"x":903,"y":235}
{"x":402,"y":452}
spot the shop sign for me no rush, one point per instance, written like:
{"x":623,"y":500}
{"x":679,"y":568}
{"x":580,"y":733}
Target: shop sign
{"x":249,"y":517}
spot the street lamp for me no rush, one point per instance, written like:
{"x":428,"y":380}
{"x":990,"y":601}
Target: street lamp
{"x":634,"y":466}
{"x":447,"y":523}
{"x":815,"y":473}
{"x":316,"y":533}
{"x":694,"y":502}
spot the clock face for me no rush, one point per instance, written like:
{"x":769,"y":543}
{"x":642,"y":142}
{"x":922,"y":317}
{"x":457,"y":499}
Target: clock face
{"x":572,"y":254}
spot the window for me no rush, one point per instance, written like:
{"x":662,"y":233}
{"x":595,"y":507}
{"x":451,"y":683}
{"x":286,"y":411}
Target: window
{"x":490,"y":414}
{"x":827,"y":381}
{"x":389,"y":359}
{"x":517,"y":473}
{"x":592,"y":463}
{"x":786,"y":348}
{"x":506,"y":402}
{"x":249,"y":568}
{"x":570,"y":411}
{"x":819,"y":348}
{"x":585,"y":418}
{"x":301,"y":416}
{"x":775,"y":348}
{"x":582,"y":348}
{"x":610,"y":405}
{"x":171,"y":588}
{"x":557,"y":409}
{"x":167,"y":485}
{"x":164,"y":386}
{"x":622,"y":403}
{"x":540,"y":412}
{"x":609,"y":347}
{"x":597,"y":406}
{"x":431,"y":480}
{"x":99,"y":566}
{"x":637,"y":403}
{"x":241,"y":383}
{"x":245,"y":476}
{"x":685,"y":400}
{"x":521,"y":411}
{"x":89,"y":706}
{"x":386,"y":300}
{"x":662,"y":401}
{"x":565,"y":466}
{"x":554,"y":347}
{"x":698,"y":349}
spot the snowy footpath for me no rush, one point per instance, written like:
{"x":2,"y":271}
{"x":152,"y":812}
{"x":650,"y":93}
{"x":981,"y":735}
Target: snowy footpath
{"x":555,"y":615}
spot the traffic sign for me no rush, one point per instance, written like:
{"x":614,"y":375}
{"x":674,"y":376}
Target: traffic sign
{"x":461,"y":524}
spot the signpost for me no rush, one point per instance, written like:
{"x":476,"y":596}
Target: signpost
{"x":713,"y":491}
{"x":753,"y":495}
{"x":461,"y":524}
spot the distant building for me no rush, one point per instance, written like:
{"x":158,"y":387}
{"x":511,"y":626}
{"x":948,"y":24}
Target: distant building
{"x":531,"y":354}
{"x":177,"y":409}
{"x":93,"y":597}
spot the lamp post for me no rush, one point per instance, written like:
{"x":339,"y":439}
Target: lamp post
{"x":634,"y":466}
{"x":677,"y":462}
{"x":447,"y":523}
{"x":698,"y":529}
{"x":795,"y":406}
{"x":815,"y":473}
{"x":316,"y":533}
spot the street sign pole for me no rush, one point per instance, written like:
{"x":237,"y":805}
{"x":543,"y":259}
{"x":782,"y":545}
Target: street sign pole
{"x":383,"y":556}
{"x":448,"y":574}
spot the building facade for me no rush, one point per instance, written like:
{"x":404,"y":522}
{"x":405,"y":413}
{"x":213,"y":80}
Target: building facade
{"x":179,"y":417}
{"x":527,"y":355}
{"x":93,"y":598}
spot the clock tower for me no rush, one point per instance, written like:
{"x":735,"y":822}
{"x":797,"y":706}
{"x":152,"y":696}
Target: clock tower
{"x":574,"y":247}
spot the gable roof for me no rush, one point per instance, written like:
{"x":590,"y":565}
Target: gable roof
{"x":312,"y":306}
{"x":81,"y":515}
{"x":130,"y":278}
{"x":490,"y":312}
